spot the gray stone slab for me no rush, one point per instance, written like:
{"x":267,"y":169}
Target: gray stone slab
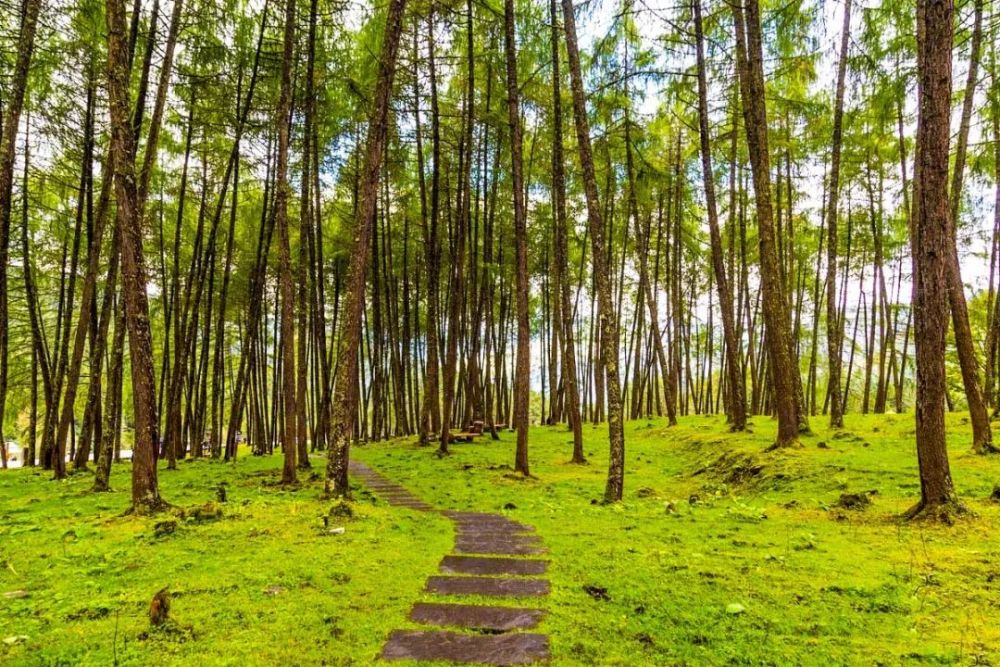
{"x":499,"y":536}
{"x":481,"y":565}
{"x":509,"y":649}
{"x":495,"y":586}
{"x":513,"y":526}
{"x":498,"y":548}
{"x":476,"y":617}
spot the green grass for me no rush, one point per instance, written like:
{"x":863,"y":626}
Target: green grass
{"x":817,"y":584}
{"x":88,"y":570}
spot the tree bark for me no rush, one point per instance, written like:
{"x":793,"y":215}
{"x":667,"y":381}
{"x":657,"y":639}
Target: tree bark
{"x":834,"y":325}
{"x":784,"y":374}
{"x":8,"y":133}
{"x":431,"y":410}
{"x":522,"y":386}
{"x":285,"y":278}
{"x":570,"y":391}
{"x":982,"y":435}
{"x":345,"y":391}
{"x":145,"y":489}
{"x":736,"y":386}
{"x":931,"y":249}
{"x":608,"y":330}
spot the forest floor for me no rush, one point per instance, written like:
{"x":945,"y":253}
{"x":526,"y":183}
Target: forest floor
{"x":720,"y":554}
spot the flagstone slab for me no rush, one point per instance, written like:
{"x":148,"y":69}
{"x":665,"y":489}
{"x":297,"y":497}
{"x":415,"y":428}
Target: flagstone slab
{"x":498,"y":536}
{"x":494,"y":566}
{"x":484,"y":518}
{"x":494,"y":586}
{"x":476,"y":617}
{"x":499,"y":548}
{"x":509,"y":649}
{"x":494,"y":538}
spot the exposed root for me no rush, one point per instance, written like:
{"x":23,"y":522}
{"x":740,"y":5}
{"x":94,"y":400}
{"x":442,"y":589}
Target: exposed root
{"x":784,"y":444}
{"x":985,"y":449}
{"x":148,"y":508}
{"x":936,"y":512}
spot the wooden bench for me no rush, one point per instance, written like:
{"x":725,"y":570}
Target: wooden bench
{"x":474,"y":430}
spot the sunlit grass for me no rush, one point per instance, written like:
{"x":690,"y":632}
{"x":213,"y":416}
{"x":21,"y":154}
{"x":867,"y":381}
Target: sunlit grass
{"x":744,"y":561}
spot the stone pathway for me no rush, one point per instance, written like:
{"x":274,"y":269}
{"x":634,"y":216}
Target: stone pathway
{"x":495,"y":557}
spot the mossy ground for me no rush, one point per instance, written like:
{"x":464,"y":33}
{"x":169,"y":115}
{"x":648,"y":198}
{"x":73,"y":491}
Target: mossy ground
{"x":720,"y":554}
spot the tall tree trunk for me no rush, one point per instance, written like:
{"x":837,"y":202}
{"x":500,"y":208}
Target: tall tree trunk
{"x":736,"y":387}
{"x":145,"y":489}
{"x":608,"y":330}
{"x":570,"y":391}
{"x":285,"y":278}
{"x":345,"y":392}
{"x":8,"y":143}
{"x":982,"y":436}
{"x":305,"y":233}
{"x":783,"y":371}
{"x":932,"y":243}
{"x":522,"y":386}
{"x":431,"y":410}
{"x":834,"y":325}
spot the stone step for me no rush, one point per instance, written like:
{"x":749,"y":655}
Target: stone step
{"x":500,"y":548}
{"x":493,"y":586}
{"x":476,"y":617}
{"x":494,"y":566}
{"x":492,"y":535}
{"x":508,"y":649}
{"x":492,"y":524}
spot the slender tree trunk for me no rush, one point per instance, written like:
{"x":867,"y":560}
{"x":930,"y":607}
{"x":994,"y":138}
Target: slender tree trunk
{"x":431,"y":420}
{"x":105,"y":447}
{"x":736,"y":387}
{"x":345,"y":394}
{"x":782,"y":358}
{"x":571,"y":392}
{"x":305,"y":233}
{"x":285,"y":278}
{"x":145,"y":490}
{"x":982,"y":436}
{"x":608,"y":330}
{"x":522,"y":387}
{"x":8,"y":129}
{"x":834,"y":325}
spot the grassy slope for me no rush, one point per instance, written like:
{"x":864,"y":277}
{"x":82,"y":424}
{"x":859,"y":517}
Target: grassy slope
{"x":818,"y":585}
